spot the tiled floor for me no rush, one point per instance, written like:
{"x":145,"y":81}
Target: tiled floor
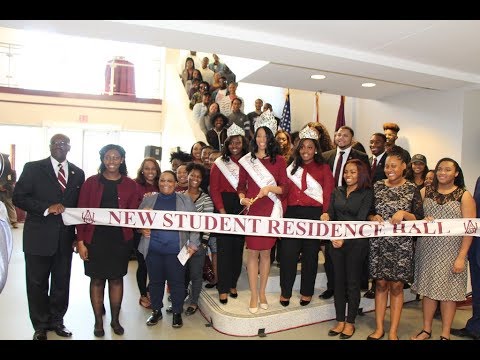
{"x":79,"y":318}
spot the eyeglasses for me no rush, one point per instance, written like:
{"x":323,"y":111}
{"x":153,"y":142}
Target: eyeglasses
{"x":60,"y":143}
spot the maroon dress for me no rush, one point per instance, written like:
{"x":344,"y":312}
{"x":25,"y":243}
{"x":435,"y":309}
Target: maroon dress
{"x":263,"y":206}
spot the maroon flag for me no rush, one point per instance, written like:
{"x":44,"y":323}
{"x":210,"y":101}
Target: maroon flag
{"x":341,"y":114}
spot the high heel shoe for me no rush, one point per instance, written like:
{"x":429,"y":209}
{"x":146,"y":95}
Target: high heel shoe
{"x":284,"y":303}
{"x":264,"y":306}
{"x":233,"y":294}
{"x":223,"y":301}
{"x":253,"y":310}
{"x":304,"y":302}
{"x":210,"y":286}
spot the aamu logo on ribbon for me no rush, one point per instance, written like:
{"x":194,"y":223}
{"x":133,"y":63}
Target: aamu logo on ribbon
{"x":470,"y":227}
{"x":88,"y":217}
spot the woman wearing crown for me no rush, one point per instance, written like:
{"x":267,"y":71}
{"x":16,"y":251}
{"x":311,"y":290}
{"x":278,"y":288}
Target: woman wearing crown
{"x":223,"y":191}
{"x":310,"y":185}
{"x":262,"y":182}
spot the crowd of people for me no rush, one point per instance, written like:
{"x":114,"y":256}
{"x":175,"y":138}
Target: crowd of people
{"x":250,"y":166}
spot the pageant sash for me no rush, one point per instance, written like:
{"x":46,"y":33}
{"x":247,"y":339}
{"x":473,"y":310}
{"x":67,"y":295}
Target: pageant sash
{"x":262,"y":177}
{"x":314,"y":190}
{"x":266,"y":226}
{"x":230,"y":170}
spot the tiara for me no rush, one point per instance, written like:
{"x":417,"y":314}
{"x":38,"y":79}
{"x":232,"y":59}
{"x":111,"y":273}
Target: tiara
{"x":308,"y":133}
{"x":234,"y":130}
{"x":268,"y":120}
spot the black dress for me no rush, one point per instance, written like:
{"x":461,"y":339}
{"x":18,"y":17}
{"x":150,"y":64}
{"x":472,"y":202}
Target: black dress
{"x":108,"y":252}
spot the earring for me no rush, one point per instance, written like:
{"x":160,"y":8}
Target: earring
{"x":316,"y":153}
{"x":142,"y":172}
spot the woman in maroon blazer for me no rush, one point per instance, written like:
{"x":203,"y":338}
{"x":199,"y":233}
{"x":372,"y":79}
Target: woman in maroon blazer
{"x":106,"y":249}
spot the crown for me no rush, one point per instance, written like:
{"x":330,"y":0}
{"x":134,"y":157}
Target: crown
{"x":308,"y":133}
{"x":268,"y":120}
{"x":234,"y":130}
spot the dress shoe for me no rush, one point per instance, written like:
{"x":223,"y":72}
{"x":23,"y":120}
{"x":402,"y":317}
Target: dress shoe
{"x":40,"y":335}
{"x":62,"y":331}
{"x":177,"y":321}
{"x":117,"y":328}
{"x":210,"y":286}
{"x":344,"y":336}
{"x":370,"y":337}
{"x":169,"y":309}
{"x":153,"y":319}
{"x":327,"y":294}
{"x":464,"y":333}
{"x":191,"y":310}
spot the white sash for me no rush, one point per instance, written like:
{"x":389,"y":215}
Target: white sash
{"x":262,"y":177}
{"x":230,"y":170}
{"x":313,"y":190}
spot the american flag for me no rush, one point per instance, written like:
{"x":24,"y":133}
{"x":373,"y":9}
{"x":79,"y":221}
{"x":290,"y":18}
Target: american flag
{"x":285,"y":122}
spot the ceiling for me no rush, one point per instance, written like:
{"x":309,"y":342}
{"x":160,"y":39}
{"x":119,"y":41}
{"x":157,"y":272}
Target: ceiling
{"x":398,"y":55}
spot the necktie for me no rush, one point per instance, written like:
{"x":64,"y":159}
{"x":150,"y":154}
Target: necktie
{"x":374,"y":167}
{"x":339,"y":167}
{"x":61,"y":177}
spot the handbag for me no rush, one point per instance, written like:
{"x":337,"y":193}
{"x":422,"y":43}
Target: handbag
{"x":208,"y":274}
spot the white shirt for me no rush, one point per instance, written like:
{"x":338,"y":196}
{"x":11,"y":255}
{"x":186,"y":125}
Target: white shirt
{"x":64,"y":165}
{"x":346,"y":154}
{"x":379,"y":157}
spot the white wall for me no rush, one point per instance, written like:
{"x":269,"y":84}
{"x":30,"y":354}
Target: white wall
{"x":436,"y":124}
{"x":470,"y":142}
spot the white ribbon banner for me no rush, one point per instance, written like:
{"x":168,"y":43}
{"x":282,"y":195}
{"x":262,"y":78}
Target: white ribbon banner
{"x":266,"y":226}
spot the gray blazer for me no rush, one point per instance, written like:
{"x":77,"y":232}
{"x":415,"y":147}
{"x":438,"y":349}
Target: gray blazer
{"x":184,"y":203}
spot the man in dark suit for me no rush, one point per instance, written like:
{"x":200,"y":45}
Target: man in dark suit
{"x":472,"y":328}
{"x":336,"y":159}
{"x":343,"y":141}
{"x":47,"y":242}
{"x":7,"y":181}
{"x":377,"y":166}
{"x":377,"y":147}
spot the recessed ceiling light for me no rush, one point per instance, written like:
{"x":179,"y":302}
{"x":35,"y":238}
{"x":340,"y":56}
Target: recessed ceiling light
{"x":369,"y":84}
{"x":318,"y":77}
